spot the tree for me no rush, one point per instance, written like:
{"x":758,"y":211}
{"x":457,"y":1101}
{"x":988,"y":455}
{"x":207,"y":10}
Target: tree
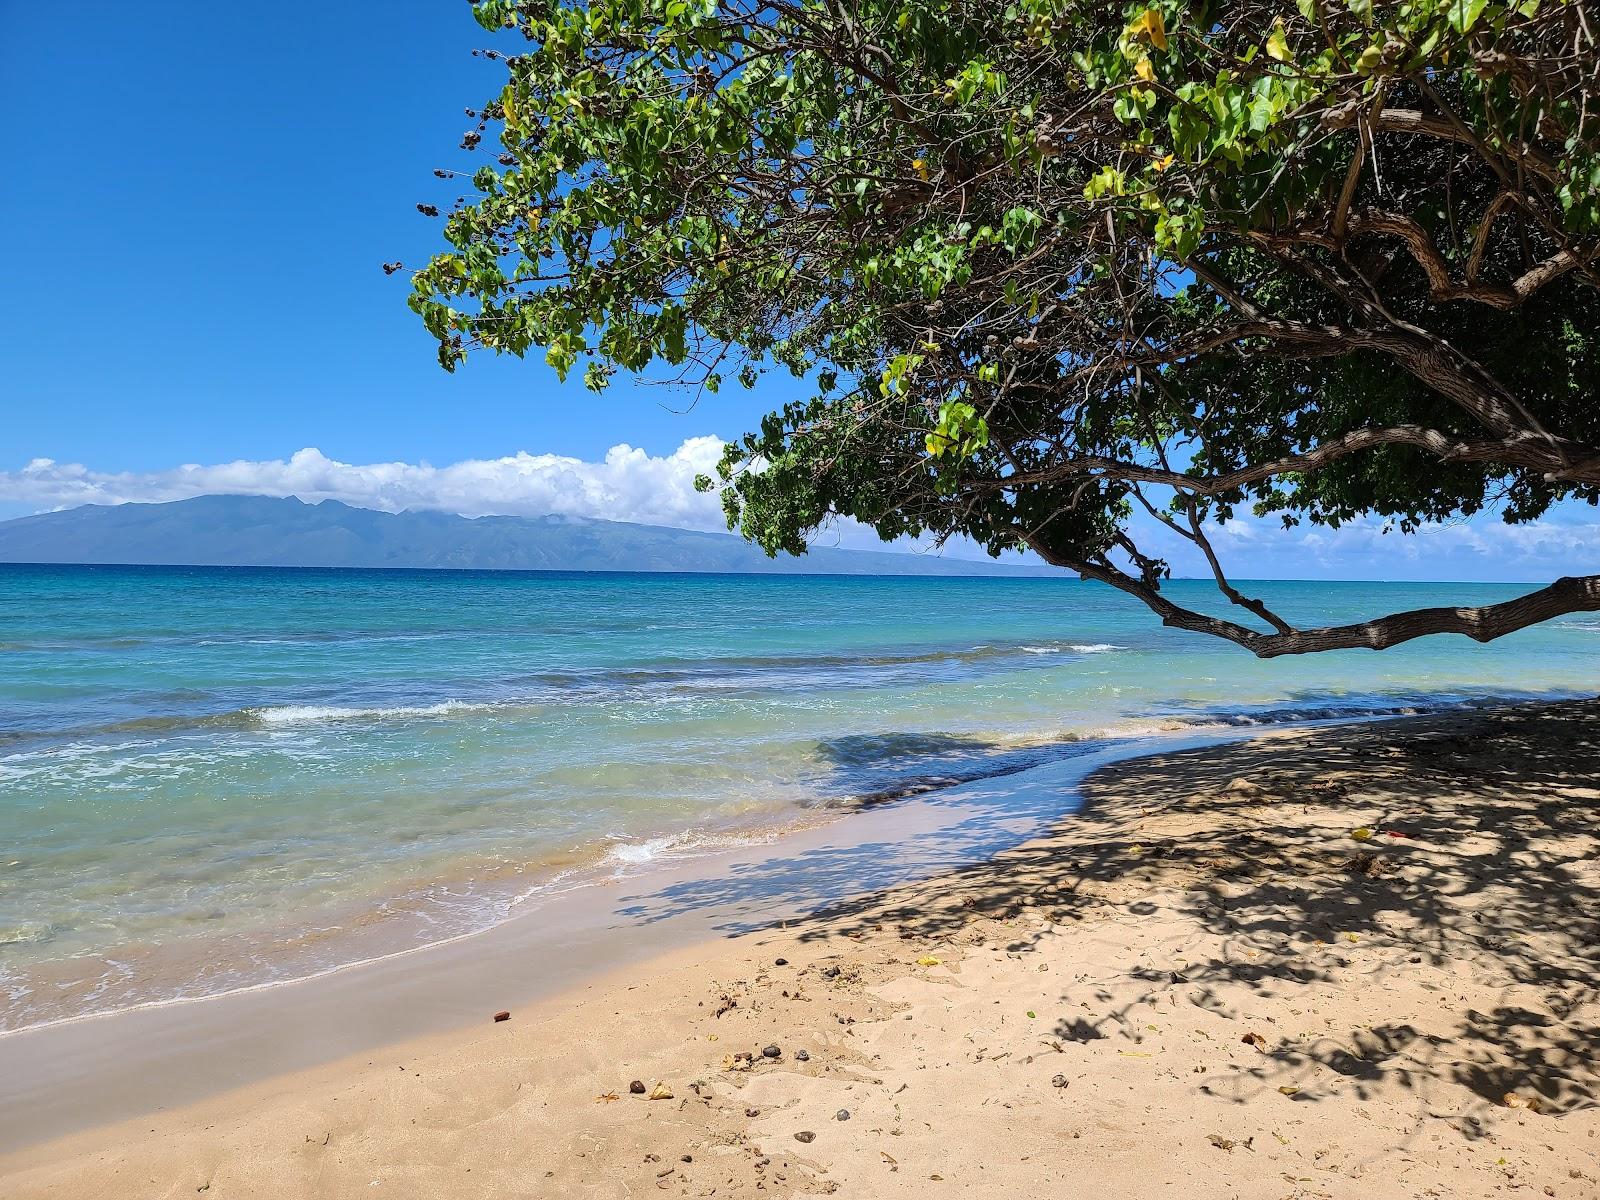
{"x":1054,"y":264}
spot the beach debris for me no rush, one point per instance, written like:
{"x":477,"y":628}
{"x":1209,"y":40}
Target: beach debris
{"x":687,"y":1158}
{"x":726,"y":1003}
{"x":1518,"y":1100}
{"x":637,"y":1087}
{"x":1364,"y":834}
{"x":780,"y":962}
{"x":805,"y":1135}
{"x":1220,"y":1142}
{"x":830,"y":972}
{"x":842,"y":1115}
{"x":1365,"y":862}
{"x":1255,"y":1039}
{"x":502,"y":1015}
{"x":802,"y":1056}
{"x":1288,"y":1089}
{"x":741,"y":1061}
{"x":927,"y":960}
{"x":661,"y":1092}
{"x":771,"y":1052}
{"x":606,"y":1097}
{"x":752,"y":1112}
{"x":1059,"y":1081}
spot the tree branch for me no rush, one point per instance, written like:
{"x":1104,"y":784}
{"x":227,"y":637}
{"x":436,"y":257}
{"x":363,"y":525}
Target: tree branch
{"x":1571,"y":594}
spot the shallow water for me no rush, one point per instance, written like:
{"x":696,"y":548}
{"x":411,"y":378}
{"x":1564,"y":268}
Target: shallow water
{"x":215,"y":777}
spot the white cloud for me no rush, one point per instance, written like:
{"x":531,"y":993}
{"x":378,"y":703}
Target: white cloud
{"x":1564,"y":542}
{"x":627,"y":485}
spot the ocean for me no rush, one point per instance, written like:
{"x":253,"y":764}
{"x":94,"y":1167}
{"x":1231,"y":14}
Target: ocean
{"x":214,"y":778}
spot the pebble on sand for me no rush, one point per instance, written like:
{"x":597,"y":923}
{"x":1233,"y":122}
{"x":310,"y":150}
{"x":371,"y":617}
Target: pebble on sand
{"x":637,"y":1087}
{"x":502,"y":1015}
{"x":805,"y":1135}
{"x":771,"y":1052}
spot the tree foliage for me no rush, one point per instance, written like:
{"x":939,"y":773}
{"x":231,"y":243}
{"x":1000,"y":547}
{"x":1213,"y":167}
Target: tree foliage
{"x":1050,"y":264}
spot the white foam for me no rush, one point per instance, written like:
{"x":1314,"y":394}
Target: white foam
{"x":631,"y":854}
{"x":308,"y":714}
{"x":1075,"y":647}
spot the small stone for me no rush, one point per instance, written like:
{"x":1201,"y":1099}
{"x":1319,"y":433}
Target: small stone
{"x":830,"y":972}
{"x":1059,"y":1081}
{"x":752,"y":1112}
{"x":842,"y":1115}
{"x":780,"y":962}
{"x":687,"y":1158}
{"x":802,"y":1056}
{"x":502,"y":1015}
{"x":637,"y":1087}
{"x":771,"y":1052}
{"x":805,"y":1135}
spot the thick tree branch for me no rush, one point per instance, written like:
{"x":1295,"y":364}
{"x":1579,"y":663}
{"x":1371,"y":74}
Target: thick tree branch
{"x":1523,"y":450}
{"x":1482,"y":624}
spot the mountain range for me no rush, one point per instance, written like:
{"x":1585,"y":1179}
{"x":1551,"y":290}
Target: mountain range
{"x":269,"y":531}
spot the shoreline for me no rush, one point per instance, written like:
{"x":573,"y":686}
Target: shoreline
{"x":742,"y":911}
{"x":57,"y":1085}
{"x":399,"y":923}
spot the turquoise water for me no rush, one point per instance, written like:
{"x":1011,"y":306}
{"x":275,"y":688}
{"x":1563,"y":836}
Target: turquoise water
{"x":211,"y":778}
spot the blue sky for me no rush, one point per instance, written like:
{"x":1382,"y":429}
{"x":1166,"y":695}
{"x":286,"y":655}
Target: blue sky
{"x":199,"y":198}
{"x":196,"y":204}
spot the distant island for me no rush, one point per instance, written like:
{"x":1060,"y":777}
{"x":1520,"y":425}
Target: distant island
{"x":272,"y":532}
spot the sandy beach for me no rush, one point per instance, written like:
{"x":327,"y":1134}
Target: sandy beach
{"x":1350,"y":961}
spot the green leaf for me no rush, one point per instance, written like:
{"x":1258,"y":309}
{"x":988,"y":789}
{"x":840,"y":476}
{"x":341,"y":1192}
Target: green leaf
{"x":1278,"y":42}
{"x":1464,"y":14}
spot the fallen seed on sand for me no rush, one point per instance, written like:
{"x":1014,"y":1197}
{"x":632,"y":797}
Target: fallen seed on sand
{"x":502,"y":1015}
{"x":637,"y":1087}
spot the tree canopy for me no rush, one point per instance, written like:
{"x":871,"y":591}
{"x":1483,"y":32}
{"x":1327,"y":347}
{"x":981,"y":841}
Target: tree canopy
{"x":1058,"y":270}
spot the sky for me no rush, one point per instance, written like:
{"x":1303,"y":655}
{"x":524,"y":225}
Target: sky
{"x":196,"y":205}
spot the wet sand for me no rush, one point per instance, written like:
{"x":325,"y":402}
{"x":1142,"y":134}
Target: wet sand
{"x":1202,"y":983}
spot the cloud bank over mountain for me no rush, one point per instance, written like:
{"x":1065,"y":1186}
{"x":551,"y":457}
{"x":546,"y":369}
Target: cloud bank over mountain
{"x":630,"y":484}
{"x":626,"y":485}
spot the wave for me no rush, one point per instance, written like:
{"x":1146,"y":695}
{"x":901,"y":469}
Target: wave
{"x":625,"y":853}
{"x":724,"y":676}
{"x":317,"y":714}
{"x":1073,"y":648}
